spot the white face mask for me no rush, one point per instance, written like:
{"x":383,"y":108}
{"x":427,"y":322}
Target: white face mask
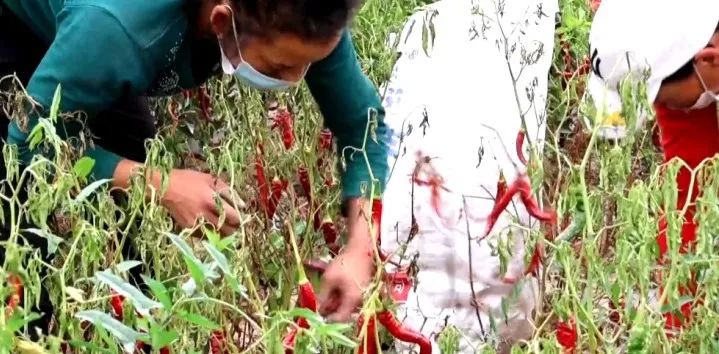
{"x":707,"y":97}
{"x":246,"y":73}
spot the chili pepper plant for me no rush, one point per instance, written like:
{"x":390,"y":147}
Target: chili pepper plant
{"x":192,"y":291}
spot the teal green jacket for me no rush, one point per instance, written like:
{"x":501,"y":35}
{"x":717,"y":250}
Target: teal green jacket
{"x":102,"y":49}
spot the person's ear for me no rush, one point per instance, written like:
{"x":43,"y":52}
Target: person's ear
{"x":708,"y":56}
{"x":221,"y":18}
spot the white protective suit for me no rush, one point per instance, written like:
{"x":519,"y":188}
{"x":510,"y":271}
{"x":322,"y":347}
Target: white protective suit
{"x":443,"y":106}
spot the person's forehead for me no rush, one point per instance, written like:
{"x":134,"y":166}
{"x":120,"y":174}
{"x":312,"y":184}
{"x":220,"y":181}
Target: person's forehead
{"x":287,"y":49}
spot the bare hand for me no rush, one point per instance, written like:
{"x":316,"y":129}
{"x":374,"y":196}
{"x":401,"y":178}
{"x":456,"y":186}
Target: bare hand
{"x":193,"y":195}
{"x":343,"y":283}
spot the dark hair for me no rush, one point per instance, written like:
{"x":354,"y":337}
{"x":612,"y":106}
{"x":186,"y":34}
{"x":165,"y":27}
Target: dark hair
{"x":685,"y":71}
{"x":307,"y":19}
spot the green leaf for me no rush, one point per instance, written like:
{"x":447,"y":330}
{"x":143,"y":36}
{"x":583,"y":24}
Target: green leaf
{"x":236,"y":287}
{"x":36,"y":136}
{"x":83,"y":167}
{"x":91,"y":188}
{"x":196,"y":271}
{"x":159,"y":290}
{"x":127,"y":265}
{"x":142,"y":303}
{"x":162,"y":338}
{"x":125,"y":335}
{"x":341,"y":339}
{"x":199,"y":320}
{"x":218,"y":257}
{"x":224,"y":243}
{"x":184,"y":248}
{"x":52,"y":241}
{"x":55,"y":108}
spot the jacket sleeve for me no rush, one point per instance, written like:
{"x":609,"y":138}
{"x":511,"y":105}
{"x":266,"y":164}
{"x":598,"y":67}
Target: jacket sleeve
{"x":95,"y":61}
{"x":346,"y":96}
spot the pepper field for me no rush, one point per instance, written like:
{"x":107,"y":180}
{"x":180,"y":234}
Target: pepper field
{"x":238,"y":294}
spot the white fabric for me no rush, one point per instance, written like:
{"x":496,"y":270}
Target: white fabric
{"x":463,"y":86}
{"x":632,"y":37}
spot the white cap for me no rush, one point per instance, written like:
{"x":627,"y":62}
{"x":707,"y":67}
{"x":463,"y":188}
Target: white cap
{"x":629,"y":38}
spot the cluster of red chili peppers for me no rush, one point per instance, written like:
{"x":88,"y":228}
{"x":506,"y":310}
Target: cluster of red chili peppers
{"x":270,"y":195}
{"x":505,"y":194}
{"x":204,"y":101}
{"x":386,"y":318}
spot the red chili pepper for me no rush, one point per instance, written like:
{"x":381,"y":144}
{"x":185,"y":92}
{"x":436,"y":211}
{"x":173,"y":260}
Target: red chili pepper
{"x":264,"y":189}
{"x":139,"y":347}
{"x":217,"y":342}
{"x":278,"y":186}
{"x":187,"y":94}
{"x":371,"y":339}
{"x":377,"y":218}
{"x":501,"y":187}
{"x":520,"y":185}
{"x":399,"y":331}
{"x":329,"y":231}
{"x":533,"y":267}
{"x":306,"y":297}
{"x":304,"y":176}
{"x":325,"y":142}
{"x":116,"y":305}
{"x":17,"y":295}
{"x":519,"y":145}
{"x":283,"y":120}
{"x":567,"y":335}
{"x":165,"y":350}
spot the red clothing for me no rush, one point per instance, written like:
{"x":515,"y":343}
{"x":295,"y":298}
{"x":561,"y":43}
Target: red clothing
{"x":693,"y":137}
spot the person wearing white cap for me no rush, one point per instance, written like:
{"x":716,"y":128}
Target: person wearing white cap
{"x":678,"y":42}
